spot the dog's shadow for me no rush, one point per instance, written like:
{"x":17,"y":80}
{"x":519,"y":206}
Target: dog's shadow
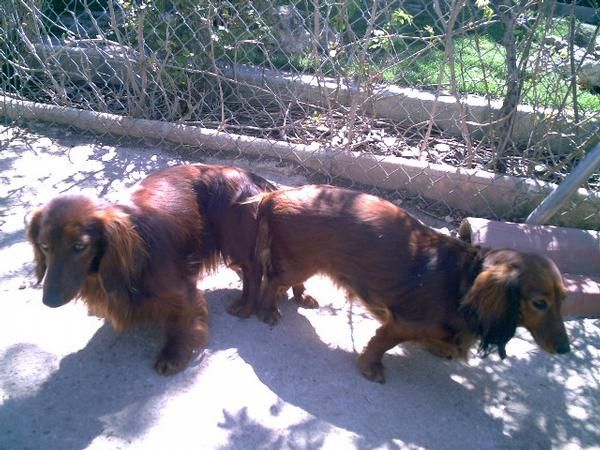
{"x":426,"y":402}
{"x":106,"y":388}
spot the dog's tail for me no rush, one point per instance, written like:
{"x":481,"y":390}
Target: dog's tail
{"x":255,"y":199}
{"x":262,"y":183}
{"x":265,"y":187}
{"x":262,"y":249}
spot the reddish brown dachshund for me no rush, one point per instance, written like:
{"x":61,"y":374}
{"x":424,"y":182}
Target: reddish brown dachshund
{"x":139,"y":261}
{"x":420,"y":284}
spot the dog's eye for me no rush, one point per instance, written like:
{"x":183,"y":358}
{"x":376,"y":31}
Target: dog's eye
{"x":43,"y":246}
{"x":79,"y":247}
{"x":540,"y":304}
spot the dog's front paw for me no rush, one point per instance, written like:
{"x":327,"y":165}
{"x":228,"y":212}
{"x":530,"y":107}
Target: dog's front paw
{"x":441,"y":351}
{"x":270,"y":316}
{"x":241,"y":309}
{"x":371,"y":370}
{"x":170,"y":361}
{"x":166,"y":366}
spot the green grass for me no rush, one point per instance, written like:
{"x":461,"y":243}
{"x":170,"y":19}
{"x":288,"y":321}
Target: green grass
{"x":479,"y":65}
{"x":480,"y":69}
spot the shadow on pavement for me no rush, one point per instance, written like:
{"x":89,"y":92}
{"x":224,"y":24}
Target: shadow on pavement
{"x":454,"y":405}
{"x":106,"y":388}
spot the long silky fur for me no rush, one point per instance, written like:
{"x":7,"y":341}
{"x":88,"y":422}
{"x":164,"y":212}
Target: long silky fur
{"x":109,"y":291}
{"x":491,"y":308}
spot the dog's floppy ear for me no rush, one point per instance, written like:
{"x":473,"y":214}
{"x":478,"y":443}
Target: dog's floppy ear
{"x":121,"y":254}
{"x":33,"y":231}
{"x":492,"y":306}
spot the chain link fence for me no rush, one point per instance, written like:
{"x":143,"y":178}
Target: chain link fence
{"x":477,"y":106}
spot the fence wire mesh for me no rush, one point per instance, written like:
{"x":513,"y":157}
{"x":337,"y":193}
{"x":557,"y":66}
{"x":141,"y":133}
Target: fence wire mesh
{"x":480,"y":106}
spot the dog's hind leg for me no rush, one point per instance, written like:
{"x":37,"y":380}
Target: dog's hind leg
{"x":267,"y":310}
{"x":186,"y":331}
{"x":244,"y":307}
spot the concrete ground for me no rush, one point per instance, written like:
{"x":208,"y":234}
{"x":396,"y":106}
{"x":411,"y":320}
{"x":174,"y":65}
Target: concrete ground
{"x":68,"y":381}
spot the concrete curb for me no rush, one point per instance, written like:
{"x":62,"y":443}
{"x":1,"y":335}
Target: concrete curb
{"x":477,"y":192}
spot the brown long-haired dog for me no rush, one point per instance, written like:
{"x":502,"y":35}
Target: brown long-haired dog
{"x":422,"y":285}
{"x":139,"y":261}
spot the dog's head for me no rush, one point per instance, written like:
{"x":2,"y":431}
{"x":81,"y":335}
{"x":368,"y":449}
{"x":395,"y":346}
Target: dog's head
{"x":515,"y":289}
{"x":72,"y":238}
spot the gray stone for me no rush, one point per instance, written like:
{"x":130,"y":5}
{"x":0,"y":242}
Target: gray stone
{"x":589,"y":75}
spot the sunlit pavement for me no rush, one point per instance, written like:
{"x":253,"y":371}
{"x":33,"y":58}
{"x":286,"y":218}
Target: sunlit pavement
{"x":68,"y":381}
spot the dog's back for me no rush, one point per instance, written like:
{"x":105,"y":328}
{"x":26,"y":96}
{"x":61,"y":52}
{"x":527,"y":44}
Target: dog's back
{"x":364,"y":243}
{"x":228,"y":228}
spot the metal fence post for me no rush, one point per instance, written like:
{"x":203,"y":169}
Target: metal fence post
{"x":551,"y":204}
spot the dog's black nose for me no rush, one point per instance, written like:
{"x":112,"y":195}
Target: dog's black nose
{"x":54,"y":299}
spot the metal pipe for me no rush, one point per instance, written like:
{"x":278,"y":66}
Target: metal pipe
{"x":551,"y":204}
